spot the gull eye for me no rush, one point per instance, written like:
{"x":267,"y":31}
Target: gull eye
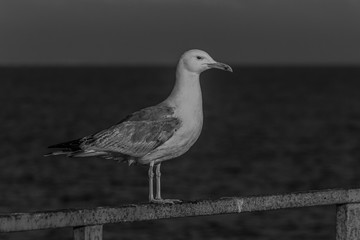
{"x":199,"y":58}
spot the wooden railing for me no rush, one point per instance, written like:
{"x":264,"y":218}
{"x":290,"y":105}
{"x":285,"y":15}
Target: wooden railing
{"x":88,"y":223}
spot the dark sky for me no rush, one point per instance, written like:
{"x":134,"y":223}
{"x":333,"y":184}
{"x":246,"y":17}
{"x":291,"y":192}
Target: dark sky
{"x":158,"y":31}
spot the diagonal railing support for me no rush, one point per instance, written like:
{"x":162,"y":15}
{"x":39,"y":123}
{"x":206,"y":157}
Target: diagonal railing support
{"x":88,"y":232}
{"x":348,"y":221}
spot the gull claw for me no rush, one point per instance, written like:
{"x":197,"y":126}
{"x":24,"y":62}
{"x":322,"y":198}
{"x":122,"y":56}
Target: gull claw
{"x":165,"y":201}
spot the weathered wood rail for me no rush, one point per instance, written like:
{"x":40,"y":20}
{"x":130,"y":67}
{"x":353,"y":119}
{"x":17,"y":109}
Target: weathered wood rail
{"x":88,"y":223}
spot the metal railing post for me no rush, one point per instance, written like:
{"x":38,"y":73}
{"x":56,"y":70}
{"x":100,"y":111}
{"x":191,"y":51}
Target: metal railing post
{"x":348,"y":221}
{"x":88,"y":232}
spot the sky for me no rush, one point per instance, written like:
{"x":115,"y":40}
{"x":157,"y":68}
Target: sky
{"x":157,"y":32}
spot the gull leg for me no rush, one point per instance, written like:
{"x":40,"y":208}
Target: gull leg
{"x":158,"y":198}
{"x":151,"y":184}
{"x":158,"y":182}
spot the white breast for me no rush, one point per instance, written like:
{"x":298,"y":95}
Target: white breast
{"x":181,"y":141}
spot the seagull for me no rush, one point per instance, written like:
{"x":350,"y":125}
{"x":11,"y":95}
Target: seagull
{"x":157,"y":133}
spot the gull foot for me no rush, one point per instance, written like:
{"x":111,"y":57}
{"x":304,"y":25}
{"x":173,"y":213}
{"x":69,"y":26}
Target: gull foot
{"x":165,"y":201}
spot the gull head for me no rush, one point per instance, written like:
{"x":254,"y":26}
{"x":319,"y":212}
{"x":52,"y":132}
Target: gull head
{"x":197,"y":61}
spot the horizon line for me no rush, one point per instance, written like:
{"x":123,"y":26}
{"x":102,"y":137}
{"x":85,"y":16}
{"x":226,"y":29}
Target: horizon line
{"x":145,"y":65}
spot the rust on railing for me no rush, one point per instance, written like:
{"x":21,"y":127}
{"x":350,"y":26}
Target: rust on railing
{"x":88,"y":223}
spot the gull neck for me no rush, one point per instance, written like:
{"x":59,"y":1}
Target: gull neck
{"x":187,"y":90}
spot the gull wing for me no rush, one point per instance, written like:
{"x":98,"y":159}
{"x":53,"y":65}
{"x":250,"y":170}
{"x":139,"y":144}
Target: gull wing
{"x":137,"y":134}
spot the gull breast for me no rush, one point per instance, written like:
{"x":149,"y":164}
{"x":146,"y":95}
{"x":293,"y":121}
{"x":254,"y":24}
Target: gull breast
{"x":181,"y":141}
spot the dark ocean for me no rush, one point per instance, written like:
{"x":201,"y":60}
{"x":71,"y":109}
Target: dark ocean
{"x":267,"y":130}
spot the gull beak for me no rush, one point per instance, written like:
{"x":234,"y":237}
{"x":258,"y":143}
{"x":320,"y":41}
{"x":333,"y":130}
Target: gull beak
{"x":221,"y":66}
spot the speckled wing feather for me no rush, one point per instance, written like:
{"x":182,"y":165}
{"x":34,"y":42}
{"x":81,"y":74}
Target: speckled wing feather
{"x":136,"y":135}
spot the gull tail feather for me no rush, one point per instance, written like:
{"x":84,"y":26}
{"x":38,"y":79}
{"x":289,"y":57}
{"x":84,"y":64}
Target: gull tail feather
{"x":72,"y":149}
{"x":66,"y":153}
{"x":90,"y":153}
{"x":71,"y":145}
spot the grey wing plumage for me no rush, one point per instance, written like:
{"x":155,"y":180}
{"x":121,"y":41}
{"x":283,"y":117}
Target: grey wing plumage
{"x":135,"y":136}
{"x":138,"y":134}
